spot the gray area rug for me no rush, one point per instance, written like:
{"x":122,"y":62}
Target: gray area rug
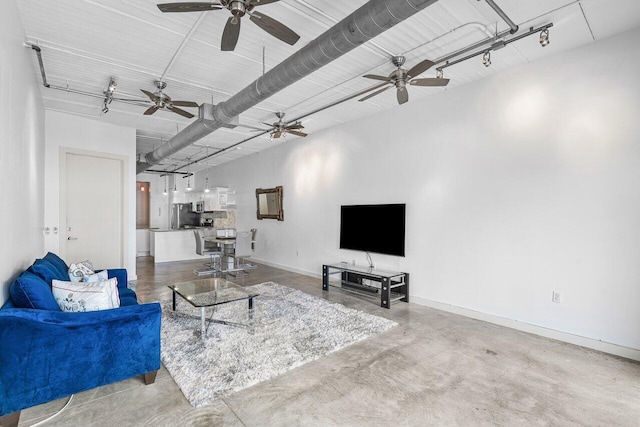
{"x":291,"y":328}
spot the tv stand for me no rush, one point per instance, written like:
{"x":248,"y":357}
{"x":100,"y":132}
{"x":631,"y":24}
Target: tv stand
{"x":388,"y":286}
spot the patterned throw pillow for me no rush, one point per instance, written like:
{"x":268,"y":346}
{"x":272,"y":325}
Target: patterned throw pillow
{"x":80,"y":297}
{"x":78,"y":271}
{"x":101,"y":276}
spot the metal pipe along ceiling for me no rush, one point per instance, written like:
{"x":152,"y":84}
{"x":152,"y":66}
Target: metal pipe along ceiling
{"x":371,"y":19}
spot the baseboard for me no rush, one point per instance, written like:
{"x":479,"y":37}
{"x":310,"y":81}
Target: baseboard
{"x":606,"y":347}
{"x":132,"y":277}
{"x":317,"y":275}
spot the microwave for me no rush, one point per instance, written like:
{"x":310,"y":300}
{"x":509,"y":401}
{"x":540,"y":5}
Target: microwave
{"x":198,"y":207}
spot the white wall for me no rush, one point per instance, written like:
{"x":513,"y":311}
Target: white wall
{"x":21,"y":152}
{"x":516,"y":186}
{"x":64,"y":130}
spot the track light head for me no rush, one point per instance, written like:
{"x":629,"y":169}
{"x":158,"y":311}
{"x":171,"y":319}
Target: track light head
{"x":440,"y":74}
{"x":486,"y":58}
{"x":544,"y":37}
{"x":112,"y":85}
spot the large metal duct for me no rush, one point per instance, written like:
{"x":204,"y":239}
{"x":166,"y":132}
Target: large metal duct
{"x":372,"y":19}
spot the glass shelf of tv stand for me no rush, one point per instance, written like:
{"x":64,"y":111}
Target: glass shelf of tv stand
{"x":386,"y":285}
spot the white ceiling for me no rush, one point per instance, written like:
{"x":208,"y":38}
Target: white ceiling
{"x":85,"y":42}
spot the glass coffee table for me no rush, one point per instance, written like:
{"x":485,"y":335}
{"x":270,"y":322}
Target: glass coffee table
{"x":203,"y":293}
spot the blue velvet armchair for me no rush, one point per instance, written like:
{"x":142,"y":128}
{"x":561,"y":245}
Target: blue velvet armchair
{"x":46,"y":354}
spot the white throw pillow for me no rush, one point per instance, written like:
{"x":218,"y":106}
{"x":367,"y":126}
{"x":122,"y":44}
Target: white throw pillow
{"x":78,"y":271}
{"x":79,"y":297}
{"x":103,"y":276}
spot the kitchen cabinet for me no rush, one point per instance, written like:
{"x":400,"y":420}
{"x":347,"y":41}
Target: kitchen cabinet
{"x":216,"y":199}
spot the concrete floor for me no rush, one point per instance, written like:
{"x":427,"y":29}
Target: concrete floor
{"x":434,"y":368}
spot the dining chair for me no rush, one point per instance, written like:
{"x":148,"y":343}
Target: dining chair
{"x":201,"y":249}
{"x":242,"y":250}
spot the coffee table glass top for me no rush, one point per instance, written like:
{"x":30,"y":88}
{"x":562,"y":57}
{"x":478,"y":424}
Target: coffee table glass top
{"x":212,"y":291}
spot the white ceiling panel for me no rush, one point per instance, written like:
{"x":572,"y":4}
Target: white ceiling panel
{"x":86,"y":42}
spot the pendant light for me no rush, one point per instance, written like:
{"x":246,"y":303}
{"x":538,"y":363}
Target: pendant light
{"x":206,"y":179}
{"x":165,"y":192}
{"x":188,"y":182}
{"x":175,"y":187}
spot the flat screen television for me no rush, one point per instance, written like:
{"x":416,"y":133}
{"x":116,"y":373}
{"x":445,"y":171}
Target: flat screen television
{"x":373,"y":228}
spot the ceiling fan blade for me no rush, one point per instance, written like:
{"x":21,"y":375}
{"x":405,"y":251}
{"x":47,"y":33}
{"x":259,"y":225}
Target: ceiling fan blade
{"x":150,"y":95}
{"x":230,"y":34}
{"x":403,"y":95}
{"x":376,"y":77}
{"x":434,"y":81}
{"x":275,"y":28}
{"x":183,"y":113}
{"x":294,"y":126}
{"x":185,"y":104}
{"x":188,"y":7}
{"x":295,"y":132}
{"x":261,"y":2}
{"x":371,"y":95}
{"x":151,"y":110}
{"x":419,"y":68}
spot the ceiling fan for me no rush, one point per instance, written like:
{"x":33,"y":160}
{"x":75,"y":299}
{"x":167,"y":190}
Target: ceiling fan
{"x":238,"y":9}
{"x":401,"y":77}
{"x":162,"y":101}
{"x":280,"y":128}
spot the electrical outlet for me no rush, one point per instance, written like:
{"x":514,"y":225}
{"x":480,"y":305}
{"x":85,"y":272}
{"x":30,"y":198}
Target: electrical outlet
{"x":556,"y":297}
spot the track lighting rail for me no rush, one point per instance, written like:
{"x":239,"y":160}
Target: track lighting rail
{"x":495,"y":46}
{"x":46,"y":84}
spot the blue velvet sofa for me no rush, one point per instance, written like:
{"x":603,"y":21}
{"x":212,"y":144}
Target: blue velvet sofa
{"x":46,"y":354}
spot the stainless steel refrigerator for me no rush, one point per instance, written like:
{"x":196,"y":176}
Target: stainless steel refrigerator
{"x":181,"y":215}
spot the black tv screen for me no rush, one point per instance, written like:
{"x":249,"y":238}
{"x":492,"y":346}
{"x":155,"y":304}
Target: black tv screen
{"x":373,"y":228}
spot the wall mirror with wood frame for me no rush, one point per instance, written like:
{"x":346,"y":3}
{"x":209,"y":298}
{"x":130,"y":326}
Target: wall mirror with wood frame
{"x":269,"y":203}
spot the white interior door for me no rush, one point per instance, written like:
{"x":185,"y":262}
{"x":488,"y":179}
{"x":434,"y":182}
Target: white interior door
{"x":93,"y":202}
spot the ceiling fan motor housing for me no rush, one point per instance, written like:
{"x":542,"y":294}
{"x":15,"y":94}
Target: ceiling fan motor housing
{"x":238,"y":8}
{"x":398,"y":61}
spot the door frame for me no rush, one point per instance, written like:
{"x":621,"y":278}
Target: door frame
{"x":124,"y":161}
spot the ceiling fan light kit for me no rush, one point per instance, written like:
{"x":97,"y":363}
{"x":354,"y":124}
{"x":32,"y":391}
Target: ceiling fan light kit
{"x":282,"y":128}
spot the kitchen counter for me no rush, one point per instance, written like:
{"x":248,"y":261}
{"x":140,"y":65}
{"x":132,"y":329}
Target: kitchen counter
{"x":169,"y":230}
{"x":176,"y":245}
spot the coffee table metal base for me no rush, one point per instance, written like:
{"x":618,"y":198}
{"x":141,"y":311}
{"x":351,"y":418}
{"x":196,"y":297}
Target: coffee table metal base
{"x":203,"y":317}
